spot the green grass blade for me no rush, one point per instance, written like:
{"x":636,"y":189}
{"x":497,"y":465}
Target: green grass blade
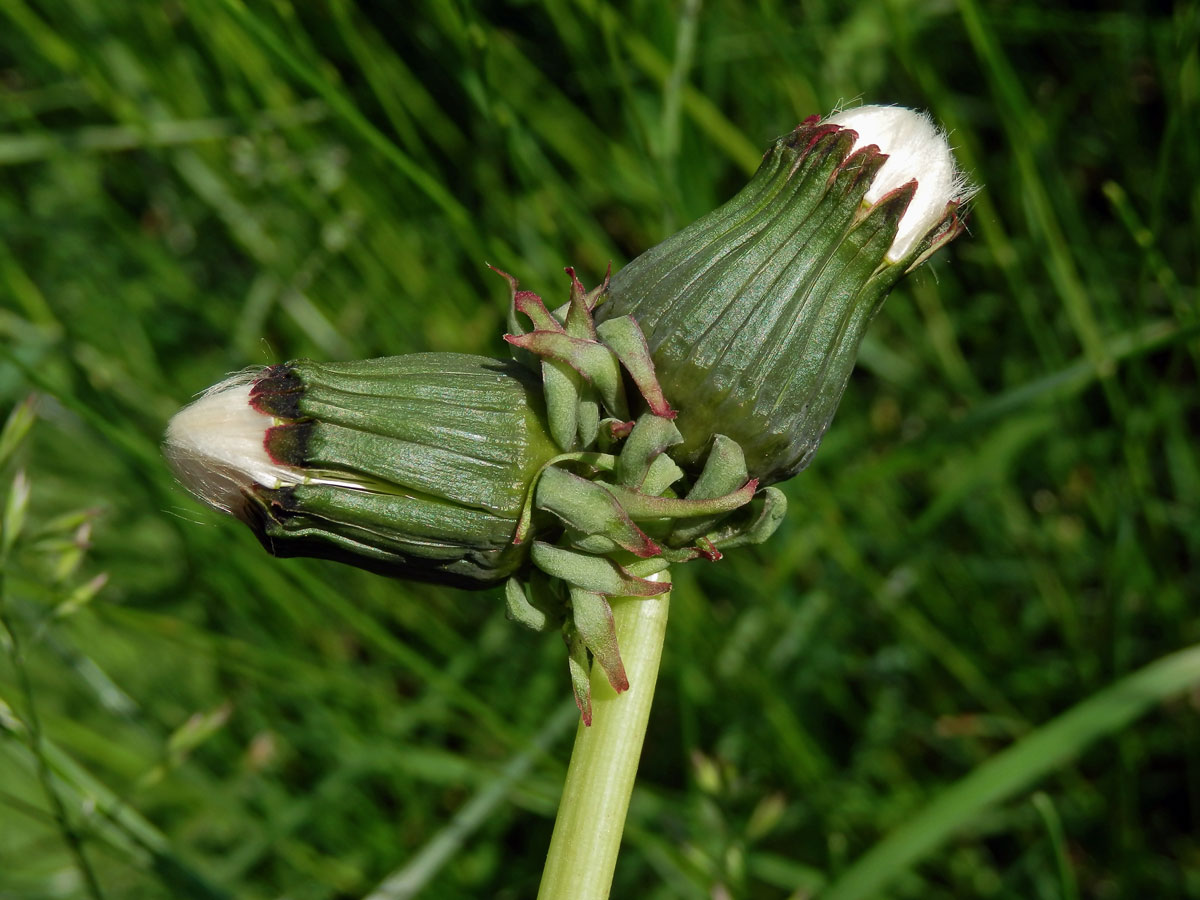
{"x":345,"y":108}
{"x":416,"y":874}
{"x":1058,"y":839}
{"x":1016,"y":768}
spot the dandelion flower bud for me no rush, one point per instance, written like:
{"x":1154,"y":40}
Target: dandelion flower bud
{"x":416,"y":466}
{"x":754,"y":313}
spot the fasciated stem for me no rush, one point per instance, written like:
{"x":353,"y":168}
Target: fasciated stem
{"x":604,"y":761}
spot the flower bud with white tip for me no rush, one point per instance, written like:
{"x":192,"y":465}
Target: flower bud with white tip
{"x":417,"y":466}
{"x":753,"y":314}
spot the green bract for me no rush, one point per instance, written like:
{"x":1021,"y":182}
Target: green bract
{"x":753,"y":314}
{"x":413,"y":465}
{"x":620,"y":508}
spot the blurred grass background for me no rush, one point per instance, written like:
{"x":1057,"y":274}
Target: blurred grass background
{"x":1003,"y":520}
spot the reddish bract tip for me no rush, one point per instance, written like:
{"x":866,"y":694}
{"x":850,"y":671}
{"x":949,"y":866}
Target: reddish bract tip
{"x":509,"y":278}
{"x":647,"y":550}
{"x":620,"y":430}
{"x":661,"y":408}
{"x":576,"y":284}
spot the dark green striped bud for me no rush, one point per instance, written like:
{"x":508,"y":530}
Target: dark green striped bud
{"x":753,"y":314}
{"x":416,"y":466}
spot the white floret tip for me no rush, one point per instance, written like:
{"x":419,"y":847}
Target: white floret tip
{"x":916,"y":149}
{"x":215,"y":447}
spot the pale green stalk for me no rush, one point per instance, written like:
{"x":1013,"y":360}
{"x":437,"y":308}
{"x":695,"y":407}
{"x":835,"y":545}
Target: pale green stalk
{"x":595,"y":798}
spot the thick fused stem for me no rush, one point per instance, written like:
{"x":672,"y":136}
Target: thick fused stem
{"x":604,"y":761}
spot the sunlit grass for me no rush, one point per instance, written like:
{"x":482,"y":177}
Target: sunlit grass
{"x":1003,"y":522}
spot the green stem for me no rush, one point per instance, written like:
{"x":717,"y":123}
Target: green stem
{"x":591,"y":814}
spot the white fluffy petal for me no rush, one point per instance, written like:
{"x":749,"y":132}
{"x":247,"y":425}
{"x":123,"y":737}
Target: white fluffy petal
{"x":215,"y":447}
{"x":916,"y":148}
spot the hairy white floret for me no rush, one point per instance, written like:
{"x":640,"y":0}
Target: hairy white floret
{"x":916,"y":148}
{"x":215,"y":447}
